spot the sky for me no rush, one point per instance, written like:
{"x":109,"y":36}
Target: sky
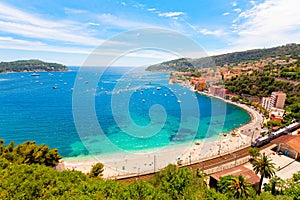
{"x":69,"y":31}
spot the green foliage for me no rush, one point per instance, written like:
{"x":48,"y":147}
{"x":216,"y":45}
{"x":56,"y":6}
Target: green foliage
{"x":262,"y":85}
{"x":235,"y":99}
{"x":273,"y":123}
{"x":212,"y":194}
{"x":224,"y":183}
{"x":174,"y":181}
{"x":234,"y":186}
{"x":30,"y":65}
{"x":269,"y":196}
{"x":36,"y":181}
{"x":29,"y":153}
{"x":264,"y":167}
{"x":296,"y":177}
{"x":293,"y":187}
{"x":139,"y":190}
{"x":254,"y":152}
{"x":21,"y":181}
{"x":97,"y":170}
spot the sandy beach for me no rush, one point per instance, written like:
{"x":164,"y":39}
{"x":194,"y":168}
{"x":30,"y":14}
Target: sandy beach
{"x":126,"y":164}
{"x":135,"y":163}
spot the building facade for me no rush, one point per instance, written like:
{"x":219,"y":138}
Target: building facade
{"x":265,"y":103}
{"x":278,"y":99}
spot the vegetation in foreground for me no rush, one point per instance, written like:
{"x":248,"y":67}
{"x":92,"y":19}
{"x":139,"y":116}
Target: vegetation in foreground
{"x":35,"y":178}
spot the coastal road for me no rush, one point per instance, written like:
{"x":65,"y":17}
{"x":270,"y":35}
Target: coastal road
{"x":205,"y":165}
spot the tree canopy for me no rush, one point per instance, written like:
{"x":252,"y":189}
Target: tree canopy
{"x":29,"y":153}
{"x":33,"y":180}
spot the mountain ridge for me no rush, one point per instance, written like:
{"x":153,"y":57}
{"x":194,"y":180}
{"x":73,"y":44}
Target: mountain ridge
{"x":187,"y":64}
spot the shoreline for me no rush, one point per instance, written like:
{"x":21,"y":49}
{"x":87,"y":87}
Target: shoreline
{"x":39,"y":71}
{"x":143,"y":162}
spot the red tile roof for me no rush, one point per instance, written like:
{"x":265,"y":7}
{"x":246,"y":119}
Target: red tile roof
{"x":250,"y":176}
{"x":292,"y":141}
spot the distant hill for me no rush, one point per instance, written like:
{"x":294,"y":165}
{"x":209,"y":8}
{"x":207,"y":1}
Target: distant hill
{"x":186,"y":64}
{"x":30,"y":66}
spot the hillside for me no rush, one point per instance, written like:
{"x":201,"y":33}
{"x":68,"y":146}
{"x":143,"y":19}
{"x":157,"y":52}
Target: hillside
{"x":30,"y":65}
{"x":186,"y":64}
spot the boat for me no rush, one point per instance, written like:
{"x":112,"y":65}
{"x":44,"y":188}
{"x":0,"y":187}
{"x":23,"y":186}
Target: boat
{"x":179,"y":101}
{"x":34,"y":74}
{"x":158,"y":88}
{"x":55,"y":86}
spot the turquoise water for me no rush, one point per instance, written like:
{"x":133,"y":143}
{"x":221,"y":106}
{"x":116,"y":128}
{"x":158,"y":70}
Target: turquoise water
{"x":135,"y":110}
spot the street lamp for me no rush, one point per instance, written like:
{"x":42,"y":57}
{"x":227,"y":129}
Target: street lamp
{"x":234,"y":155}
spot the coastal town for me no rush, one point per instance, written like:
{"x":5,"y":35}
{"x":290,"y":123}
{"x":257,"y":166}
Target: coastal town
{"x":267,"y":89}
{"x":269,"y":112}
{"x":269,"y":129}
{"x":142,"y":100}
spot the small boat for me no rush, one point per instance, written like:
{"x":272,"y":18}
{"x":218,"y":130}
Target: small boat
{"x":34,"y":74}
{"x":158,"y":88}
{"x":179,"y":101}
{"x":55,"y":86}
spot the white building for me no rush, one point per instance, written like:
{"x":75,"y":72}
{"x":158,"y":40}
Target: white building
{"x":265,"y":103}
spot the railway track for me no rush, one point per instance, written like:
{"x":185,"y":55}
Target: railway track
{"x":204,"y":165}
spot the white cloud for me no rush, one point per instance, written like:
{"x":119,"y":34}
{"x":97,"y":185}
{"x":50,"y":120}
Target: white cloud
{"x":93,"y":24}
{"x":238,"y":10}
{"x":209,"y":32}
{"x":234,"y":4}
{"x":171,"y":14}
{"x":252,"y":2}
{"x":139,"y":5}
{"x":151,"y":9}
{"x":56,"y":34}
{"x":12,"y":43}
{"x":226,"y":13}
{"x":14,"y":21}
{"x":74,"y":11}
{"x":270,"y":23}
{"x":112,"y":20}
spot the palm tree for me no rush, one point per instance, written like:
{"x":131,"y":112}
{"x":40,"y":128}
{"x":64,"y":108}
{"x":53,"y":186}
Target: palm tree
{"x":239,"y":187}
{"x":265,"y":167}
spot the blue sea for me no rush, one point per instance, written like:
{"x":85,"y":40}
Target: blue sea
{"x":101,"y":111}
